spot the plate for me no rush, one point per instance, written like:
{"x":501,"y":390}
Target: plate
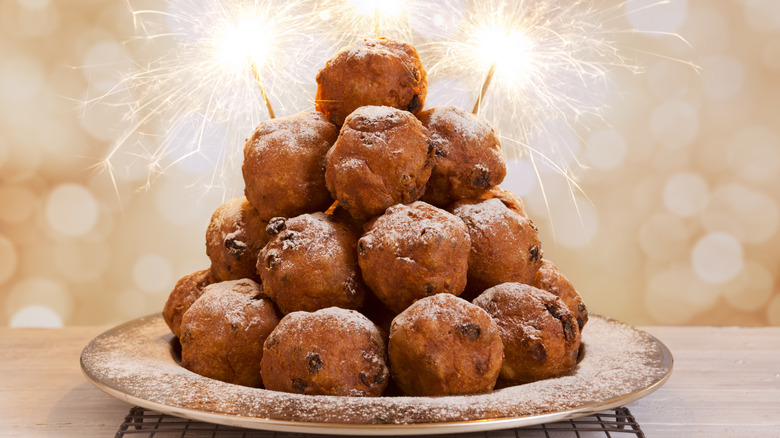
{"x":134,"y":362}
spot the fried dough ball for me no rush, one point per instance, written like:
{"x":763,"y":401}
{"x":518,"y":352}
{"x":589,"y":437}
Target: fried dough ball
{"x":468,"y":161}
{"x":444,"y":345}
{"x":188,"y":289}
{"x":505,"y":245}
{"x":284,"y":165}
{"x":332,"y":351}
{"x":381,"y":158}
{"x":380,"y":71}
{"x":311,"y":263}
{"x":551,"y":279}
{"x":414,"y":251}
{"x":224,"y":330}
{"x":234,"y":237}
{"x":540,"y":335}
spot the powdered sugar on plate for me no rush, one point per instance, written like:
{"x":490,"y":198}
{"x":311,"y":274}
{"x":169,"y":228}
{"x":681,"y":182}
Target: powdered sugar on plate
{"x":619,"y":364}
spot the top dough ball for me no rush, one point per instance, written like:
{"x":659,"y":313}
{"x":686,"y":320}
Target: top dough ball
{"x":380,"y":71}
{"x":381,"y":158}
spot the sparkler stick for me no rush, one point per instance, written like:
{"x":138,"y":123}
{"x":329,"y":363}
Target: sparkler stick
{"x":256,"y":74}
{"x":485,"y":85}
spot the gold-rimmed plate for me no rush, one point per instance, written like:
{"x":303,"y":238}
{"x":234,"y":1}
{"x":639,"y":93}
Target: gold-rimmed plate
{"x":134,"y":362}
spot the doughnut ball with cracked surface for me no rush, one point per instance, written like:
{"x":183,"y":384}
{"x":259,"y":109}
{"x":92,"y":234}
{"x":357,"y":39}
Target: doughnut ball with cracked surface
{"x":188,"y":289}
{"x":381,"y":71}
{"x":311,"y":263}
{"x":444,"y":345}
{"x":283,"y":167}
{"x":541,"y":336}
{"x":332,"y":351}
{"x":381,"y":158}
{"x":234,"y":237}
{"x":505,"y":245}
{"x":414,"y":251}
{"x":223,"y":332}
{"x":469,"y":160}
{"x":551,"y":279}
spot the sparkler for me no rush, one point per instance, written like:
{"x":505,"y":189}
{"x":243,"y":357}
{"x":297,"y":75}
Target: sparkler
{"x":205,"y":62}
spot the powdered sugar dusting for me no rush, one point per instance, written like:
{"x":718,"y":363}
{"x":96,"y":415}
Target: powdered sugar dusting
{"x":135,"y":359}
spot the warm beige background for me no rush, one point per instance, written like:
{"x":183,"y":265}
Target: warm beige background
{"x":676,"y":223}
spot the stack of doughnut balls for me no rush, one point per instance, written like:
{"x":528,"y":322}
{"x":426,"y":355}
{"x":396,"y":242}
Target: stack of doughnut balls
{"x":374,"y":253}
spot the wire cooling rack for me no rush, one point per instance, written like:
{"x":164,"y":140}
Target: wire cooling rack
{"x":141,"y":423}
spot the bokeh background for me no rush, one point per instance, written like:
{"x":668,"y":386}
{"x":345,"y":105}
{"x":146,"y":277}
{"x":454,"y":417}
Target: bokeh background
{"x":674,"y":221}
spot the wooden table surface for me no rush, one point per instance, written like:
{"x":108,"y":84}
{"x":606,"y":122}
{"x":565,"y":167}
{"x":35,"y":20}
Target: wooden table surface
{"x":725,"y":383}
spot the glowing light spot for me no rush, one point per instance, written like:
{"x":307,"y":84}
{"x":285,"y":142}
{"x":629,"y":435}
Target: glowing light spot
{"x":248,"y":40}
{"x":493,"y":45}
{"x":152,"y":273}
{"x":664,"y":237}
{"x":36,"y":316}
{"x":751,"y":289}
{"x":754,"y":154}
{"x":71,"y":210}
{"x":686,"y":194}
{"x":675,"y":123}
{"x":606,"y":149}
{"x":717,"y":257}
{"x":722,"y":77}
{"x":8,"y":259}
{"x":655,"y":18}
{"x":18,"y":203}
{"x":40,"y":291}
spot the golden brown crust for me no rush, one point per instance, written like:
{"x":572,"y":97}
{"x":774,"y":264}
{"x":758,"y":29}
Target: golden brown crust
{"x":371,"y":72}
{"x":414,"y":251}
{"x":551,"y":279}
{"x":311,"y":263}
{"x":540,"y":335}
{"x":444,"y":345}
{"x":224,"y":330}
{"x":331,"y":351}
{"x":188,"y":289}
{"x":505,"y":246}
{"x":283,"y":165}
{"x":381,"y":158}
{"x":234,"y":237}
{"x":468,"y":161}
